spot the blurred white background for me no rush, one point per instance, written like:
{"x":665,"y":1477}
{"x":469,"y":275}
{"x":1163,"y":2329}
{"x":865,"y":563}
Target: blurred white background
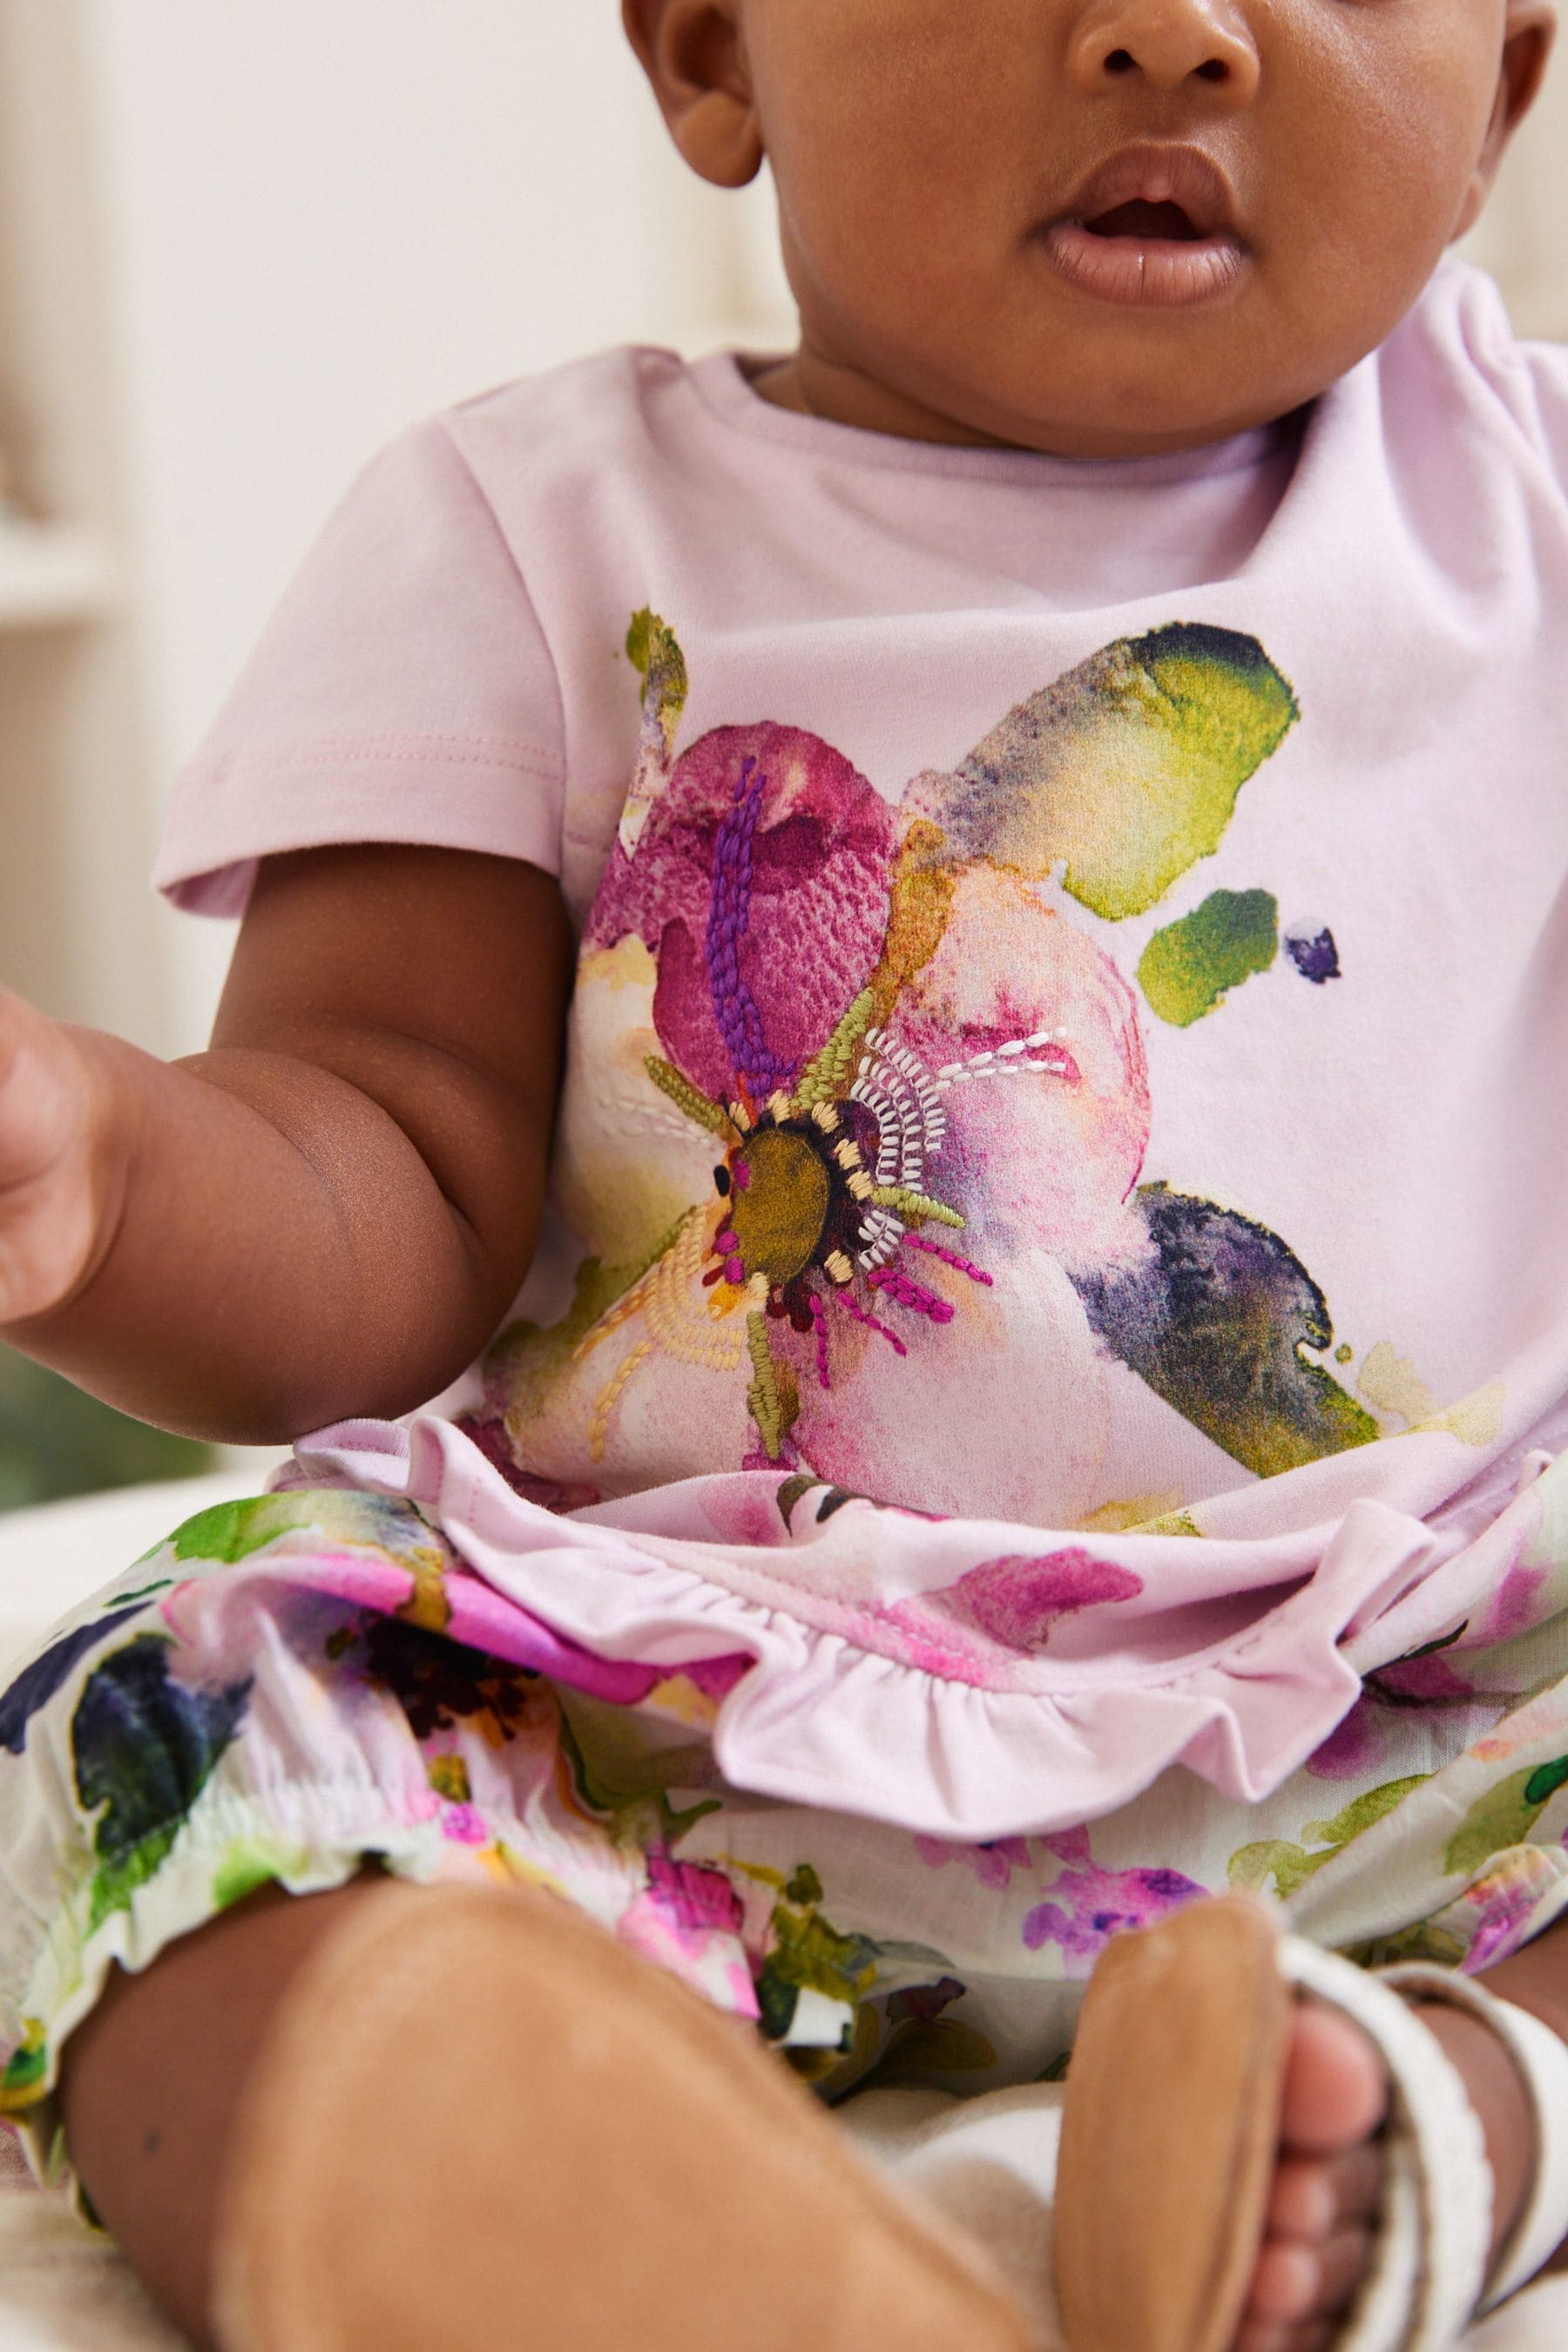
{"x":241,"y":243}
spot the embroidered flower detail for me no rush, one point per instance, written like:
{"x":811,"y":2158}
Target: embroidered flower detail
{"x":832,"y":1046}
{"x":824,"y":1198}
{"x":855,"y":1115}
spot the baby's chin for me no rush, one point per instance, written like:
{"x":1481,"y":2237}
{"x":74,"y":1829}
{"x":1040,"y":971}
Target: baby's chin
{"x":1035,"y":363}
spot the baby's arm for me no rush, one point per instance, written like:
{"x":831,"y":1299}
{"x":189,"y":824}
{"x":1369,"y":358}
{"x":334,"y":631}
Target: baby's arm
{"x":328,"y":1213}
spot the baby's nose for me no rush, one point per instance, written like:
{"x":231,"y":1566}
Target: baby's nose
{"x":1169,"y":43}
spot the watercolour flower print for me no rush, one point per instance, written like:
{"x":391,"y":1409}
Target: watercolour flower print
{"x":859,"y":1114}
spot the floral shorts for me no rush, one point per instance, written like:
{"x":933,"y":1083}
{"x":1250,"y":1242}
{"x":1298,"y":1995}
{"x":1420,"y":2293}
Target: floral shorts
{"x":294,"y":1685}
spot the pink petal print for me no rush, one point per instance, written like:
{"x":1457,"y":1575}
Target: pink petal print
{"x":815,"y":898}
{"x":949,"y":1426}
{"x":977,"y":1630}
{"x":1048,"y":1144}
{"x":1505,"y":1903}
{"x":992,"y":1864}
{"x":1017,"y":1601}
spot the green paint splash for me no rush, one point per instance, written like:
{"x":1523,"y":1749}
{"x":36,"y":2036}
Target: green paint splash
{"x":1289,"y":1867}
{"x":1127,"y":769}
{"x":655,"y":653}
{"x":1504,"y":1817}
{"x":1188,"y":967}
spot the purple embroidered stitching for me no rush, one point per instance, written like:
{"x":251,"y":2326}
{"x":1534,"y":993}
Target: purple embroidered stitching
{"x":729,"y":916}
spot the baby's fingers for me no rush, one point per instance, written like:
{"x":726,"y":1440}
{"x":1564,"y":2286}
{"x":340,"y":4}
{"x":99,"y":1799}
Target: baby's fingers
{"x":49,"y":1196}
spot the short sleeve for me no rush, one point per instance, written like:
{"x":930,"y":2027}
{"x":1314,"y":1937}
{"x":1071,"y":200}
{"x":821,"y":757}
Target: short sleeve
{"x":402,"y":692}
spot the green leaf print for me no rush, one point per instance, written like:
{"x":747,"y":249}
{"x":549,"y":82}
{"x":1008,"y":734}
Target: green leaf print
{"x":809,"y":1955}
{"x":253,"y":1863}
{"x":615,"y":1773}
{"x":1127,"y":769}
{"x":1504,"y":1817}
{"x":1289,"y":1867}
{"x":229,"y":1532}
{"x":26,"y":2070}
{"x":1190,"y":966}
{"x":144,"y":1747}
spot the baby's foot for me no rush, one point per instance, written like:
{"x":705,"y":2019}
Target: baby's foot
{"x":1327,"y":2188}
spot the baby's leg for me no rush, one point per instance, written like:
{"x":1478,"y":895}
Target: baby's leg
{"x":154,"y":2077}
{"x":323,"y":2114}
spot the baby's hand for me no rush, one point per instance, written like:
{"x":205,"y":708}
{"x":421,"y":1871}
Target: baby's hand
{"x":55,"y":1205}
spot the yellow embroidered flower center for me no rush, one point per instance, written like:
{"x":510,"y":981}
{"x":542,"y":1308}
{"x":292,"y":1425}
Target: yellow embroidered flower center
{"x":780,"y":1214}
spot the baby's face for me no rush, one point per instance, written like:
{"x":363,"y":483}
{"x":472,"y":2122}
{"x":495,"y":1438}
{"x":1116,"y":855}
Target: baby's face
{"x":1099,"y":227}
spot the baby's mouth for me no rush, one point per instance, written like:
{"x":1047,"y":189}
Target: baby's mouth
{"x":1145,"y":220}
{"x":1153,"y":224}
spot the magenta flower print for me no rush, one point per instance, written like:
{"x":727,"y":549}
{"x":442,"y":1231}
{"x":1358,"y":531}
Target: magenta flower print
{"x":1017,"y":1602}
{"x":1087,"y":1904}
{"x":688,"y":1919}
{"x":991,"y":1863}
{"x":1374,"y":1734}
{"x":1004,"y":1609}
{"x":855,"y":1115}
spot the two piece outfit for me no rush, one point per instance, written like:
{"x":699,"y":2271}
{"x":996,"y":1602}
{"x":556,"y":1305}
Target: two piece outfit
{"x":1044,"y":1393}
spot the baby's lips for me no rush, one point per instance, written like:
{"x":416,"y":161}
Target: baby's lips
{"x":1159,"y":172}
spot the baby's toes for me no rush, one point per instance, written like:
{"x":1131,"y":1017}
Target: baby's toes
{"x":1295,"y":2283}
{"x":1336,"y":2088}
{"x":1327,"y":2188}
{"x":1269,"y":2336}
{"x":1313,"y":2195}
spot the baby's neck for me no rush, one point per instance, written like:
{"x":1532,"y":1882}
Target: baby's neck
{"x":812,"y":382}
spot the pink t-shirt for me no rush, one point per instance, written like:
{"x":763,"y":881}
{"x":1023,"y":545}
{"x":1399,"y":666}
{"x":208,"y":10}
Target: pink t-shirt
{"x":451,"y":668}
{"x":1073,"y":999}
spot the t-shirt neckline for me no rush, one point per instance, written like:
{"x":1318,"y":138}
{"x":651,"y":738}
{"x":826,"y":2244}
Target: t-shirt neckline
{"x":723,"y":381}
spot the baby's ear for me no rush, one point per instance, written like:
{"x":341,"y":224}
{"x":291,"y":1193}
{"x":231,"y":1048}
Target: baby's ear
{"x":694,"y":53}
{"x":1529,"y":28}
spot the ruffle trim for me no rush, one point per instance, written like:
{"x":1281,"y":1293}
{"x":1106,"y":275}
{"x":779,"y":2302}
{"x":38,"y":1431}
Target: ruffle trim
{"x":846,"y":1676}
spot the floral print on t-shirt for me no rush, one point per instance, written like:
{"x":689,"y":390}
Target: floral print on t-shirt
{"x":863,"y":1109}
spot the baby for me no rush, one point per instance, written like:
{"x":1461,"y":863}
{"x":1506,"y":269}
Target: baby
{"x":980,"y":910}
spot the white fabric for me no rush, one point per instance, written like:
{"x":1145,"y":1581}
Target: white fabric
{"x":62,"y":2289}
